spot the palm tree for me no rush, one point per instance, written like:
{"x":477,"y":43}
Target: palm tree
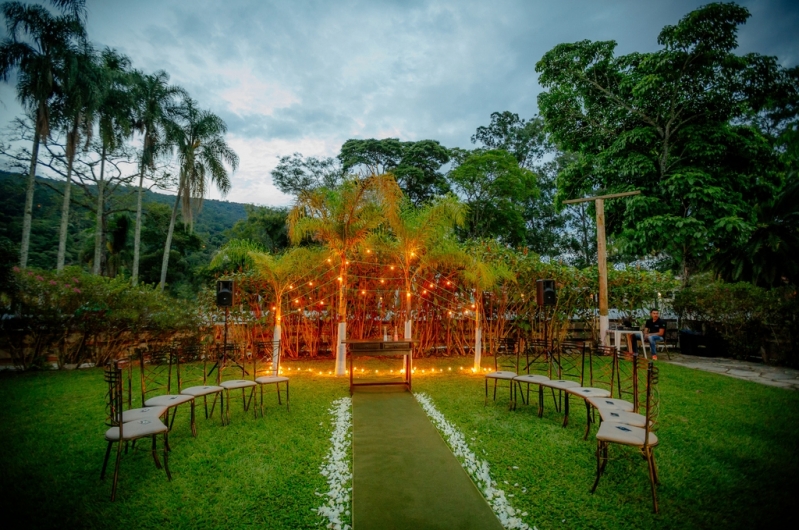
{"x":114,"y":125}
{"x":203,"y":156}
{"x":280,"y":272}
{"x":35,"y":47}
{"x":482,"y":275}
{"x":343,"y":218}
{"x":75,"y":108}
{"x":422,"y":239}
{"x":155,"y":105}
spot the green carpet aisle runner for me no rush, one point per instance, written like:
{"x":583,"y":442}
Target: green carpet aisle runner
{"x":404,"y":475}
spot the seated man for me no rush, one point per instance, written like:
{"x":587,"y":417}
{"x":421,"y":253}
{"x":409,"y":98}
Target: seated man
{"x":654,"y":331}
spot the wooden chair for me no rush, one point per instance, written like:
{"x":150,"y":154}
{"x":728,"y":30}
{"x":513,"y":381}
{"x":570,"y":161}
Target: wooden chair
{"x":568,"y":371}
{"x":625,"y":392}
{"x":268,"y":354}
{"x":120,"y":431}
{"x":158,"y":380}
{"x":231,"y":360}
{"x":538,"y":356}
{"x":193,"y":364}
{"x":643,"y":438}
{"x":598,"y":382}
{"x":506,"y":367}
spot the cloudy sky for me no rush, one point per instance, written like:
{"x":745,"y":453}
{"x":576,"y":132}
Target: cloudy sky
{"x":304,"y":76}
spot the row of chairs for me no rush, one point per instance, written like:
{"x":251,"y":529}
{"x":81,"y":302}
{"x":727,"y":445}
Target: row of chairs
{"x":615,"y":385}
{"x":180,"y":374}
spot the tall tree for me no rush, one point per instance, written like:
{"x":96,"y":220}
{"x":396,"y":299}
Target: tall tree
{"x":115,"y":121}
{"x":35,"y":48}
{"x":342,"y":218}
{"x":155,"y":106}
{"x":674,"y":123}
{"x":415,"y":165}
{"x":497,"y":191}
{"x":203,"y":159}
{"x":296,"y":174}
{"x":76,"y":106}
{"x":421,"y":239}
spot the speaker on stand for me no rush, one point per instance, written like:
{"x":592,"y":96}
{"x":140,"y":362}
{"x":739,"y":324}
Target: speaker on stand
{"x":545,"y":297}
{"x":224,"y":298}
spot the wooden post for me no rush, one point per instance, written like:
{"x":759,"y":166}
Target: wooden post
{"x":602,"y":256}
{"x":602,"y":260}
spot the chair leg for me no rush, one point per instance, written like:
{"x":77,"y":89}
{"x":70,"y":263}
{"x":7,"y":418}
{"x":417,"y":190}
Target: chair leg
{"x":599,"y":466}
{"x":277,"y":387}
{"x":205,"y":403}
{"x":566,"y":410}
{"x":540,"y":401}
{"x":261,"y":404}
{"x":495,"y":389}
{"x":155,"y":454}
{"x":587,"y":420}
{"x":105,"y":460}
{"x":116,"y":472}
{"x":650,"y":460}
{"x":486,"y":399}
{"x":166,"y":456}
{"x":288,"y":403}
{"x":193,"y":421}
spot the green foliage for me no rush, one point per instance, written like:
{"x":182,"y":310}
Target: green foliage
{"x":263,"y":225}
{"x":296,"y":174}
{"x":767,"y":254}
{"x":676,"y":124}
{"x":415,"y":165}
{"x":109,"y":315}
{"x":497,"y":191}
{"x":753,"y":321}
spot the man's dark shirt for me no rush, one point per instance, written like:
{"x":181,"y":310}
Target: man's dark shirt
{"x":655,"y":327}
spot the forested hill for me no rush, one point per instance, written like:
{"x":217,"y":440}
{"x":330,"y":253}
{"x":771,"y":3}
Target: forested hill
{"x":210,"y":224}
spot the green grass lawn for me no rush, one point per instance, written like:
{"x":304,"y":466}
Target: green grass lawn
{"x":727,"y":456}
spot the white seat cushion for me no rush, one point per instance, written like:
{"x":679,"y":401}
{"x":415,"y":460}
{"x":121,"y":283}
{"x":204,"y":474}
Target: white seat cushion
{"x":530,"y":378}
{"x":201,"y":390}
{"x":237,"y":383}
{"x":501,"y":375}
{"x":269,"y":379}
{"x":561,"y":384}
{"x":145,"y":412}
{"x":610,"y":403}
{"x":170,"y":400}
{"x":624,"y":434}
{"x":136,"y":429}
{"x":585,"y":391}
{"x":621,"y":416}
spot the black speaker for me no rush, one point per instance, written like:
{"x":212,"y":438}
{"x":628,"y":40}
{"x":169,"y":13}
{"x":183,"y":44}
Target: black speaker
{"x":224,"y":293}
{"x":545,"y":293}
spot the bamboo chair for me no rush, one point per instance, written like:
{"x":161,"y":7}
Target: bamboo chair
{"x":506,"y":367}
{"x":644,"y":438}
{"x":599,"y":382}
{"x":538,"y":358}
{"x":157,"y":383}
{"x":192,"y":358}
{"x":231,"y":359}
{"x":624,"y":396}
{"x":568,"y":371}
{"x":125,"y":431}
{"x":125,"y":364}
{"x":268,"y":354}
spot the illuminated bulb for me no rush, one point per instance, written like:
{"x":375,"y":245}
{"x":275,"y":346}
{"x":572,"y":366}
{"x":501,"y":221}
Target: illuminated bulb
{"x":310,"y":283}
{"x":382,"y":281}
{"x":450,"y":313}
{"x":346,"y":263}
{"x":449,"y":283}
{"x":392,"y":267}
{"x":297,"y":301}
{"x":328,"y":260}
{"x":408,"y":295}
{"x":450,"y":368}
{"x":368,"y":251}
{"x":339,"y":278}
{"x":291,"y":287}
{"x":363,"y":292}
{"x":472,"y":306}
{"x":273,"y":308}
{"x":424,"y":291}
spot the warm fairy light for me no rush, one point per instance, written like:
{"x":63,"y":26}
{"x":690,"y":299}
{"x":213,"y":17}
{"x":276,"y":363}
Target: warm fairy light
{"x":450,"y":368}
{"x":413,"y":253}
{"x":450,"y":313}
{"x":472,"y":306}
{"x":392,"y":267}
{"x":291,"y":287}
{"x":424,"y":291}
{"x":402,"y":371}
{"x":297,"y":301}
{"x":321,"y":302}
{"x":346,"y":263}
{"x":328,"y":260}
{"x":273,"y":308}
{"x":368,"y":251}
{"x":449,"y":283}
{"x":408,"y":295}
{"x":339,"y":278}
{"x":310,"y":283}
{"x":363,"y":292}
{"x":431,"y":285}
{"x":382,"y":281}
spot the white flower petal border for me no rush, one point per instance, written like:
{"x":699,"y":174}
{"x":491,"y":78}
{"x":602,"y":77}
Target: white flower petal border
{"x":477,"y":469}
{"x":336,"y":468}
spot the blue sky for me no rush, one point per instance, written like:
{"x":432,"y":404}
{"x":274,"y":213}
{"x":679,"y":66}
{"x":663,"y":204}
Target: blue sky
{"x":304,"y":76}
